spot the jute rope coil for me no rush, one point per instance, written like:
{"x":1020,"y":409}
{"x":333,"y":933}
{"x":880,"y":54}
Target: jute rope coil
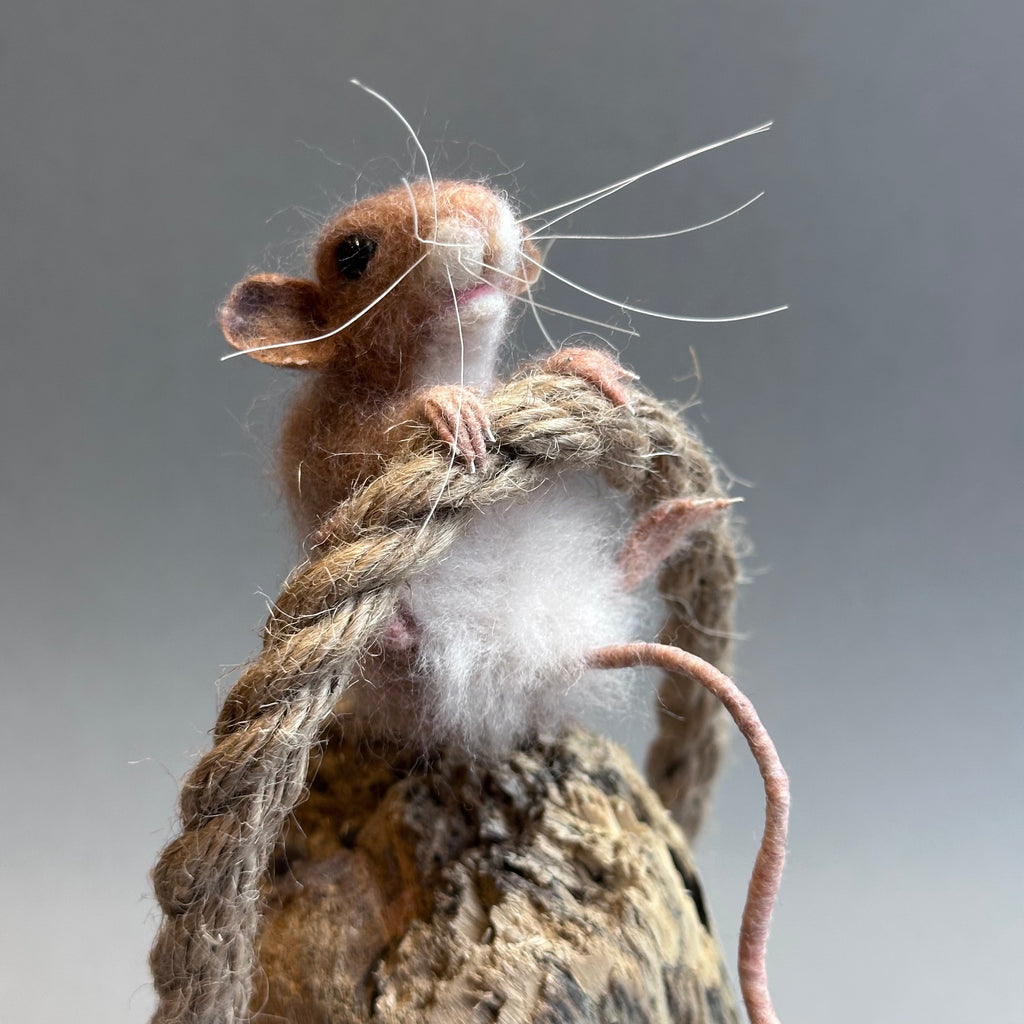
{"x":333,"y":610}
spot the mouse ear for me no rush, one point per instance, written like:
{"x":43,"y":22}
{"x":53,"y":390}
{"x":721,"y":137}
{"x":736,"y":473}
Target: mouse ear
{"x":272,"y":310}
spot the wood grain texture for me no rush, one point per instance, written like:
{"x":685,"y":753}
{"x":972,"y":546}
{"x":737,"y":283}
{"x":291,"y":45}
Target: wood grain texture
{"x":550,"y":888}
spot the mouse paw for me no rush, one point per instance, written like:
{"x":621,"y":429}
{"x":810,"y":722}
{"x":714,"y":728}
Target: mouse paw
{"x":596,"y":367}
{"x":662,"y":532}
{"x":457,"y":416}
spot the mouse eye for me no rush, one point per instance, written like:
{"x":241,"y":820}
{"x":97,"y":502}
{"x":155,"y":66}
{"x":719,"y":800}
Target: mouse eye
{"x":353,"y":255}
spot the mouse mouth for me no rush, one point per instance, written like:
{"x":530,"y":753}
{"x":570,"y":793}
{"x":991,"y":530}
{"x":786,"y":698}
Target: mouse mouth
{"x":477,"y":291}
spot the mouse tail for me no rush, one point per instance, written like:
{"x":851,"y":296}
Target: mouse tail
{"x":767,"y":874}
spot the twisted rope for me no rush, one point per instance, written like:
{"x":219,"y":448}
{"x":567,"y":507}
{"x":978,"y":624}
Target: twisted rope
{"x":332,"y":610}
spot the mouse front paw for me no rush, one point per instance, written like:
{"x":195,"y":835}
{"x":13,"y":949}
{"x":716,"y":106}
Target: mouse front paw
{"x":458,"y":417}
{"x":597,"y":368}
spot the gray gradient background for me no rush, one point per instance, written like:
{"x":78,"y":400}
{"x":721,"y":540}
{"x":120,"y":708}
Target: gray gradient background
{"x":152,"y":153}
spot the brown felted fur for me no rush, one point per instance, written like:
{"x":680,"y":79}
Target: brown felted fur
{"x":340,"y":427}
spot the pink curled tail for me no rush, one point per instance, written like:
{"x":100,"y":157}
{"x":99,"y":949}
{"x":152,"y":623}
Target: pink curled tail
{"x":767,"y":873}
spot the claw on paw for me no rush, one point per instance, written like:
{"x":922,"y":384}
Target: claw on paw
{"x":458,"y":417}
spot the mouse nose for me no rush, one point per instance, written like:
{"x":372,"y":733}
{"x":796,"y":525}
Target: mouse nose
{"x":458,"y":249}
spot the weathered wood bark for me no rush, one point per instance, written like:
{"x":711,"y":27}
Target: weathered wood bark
{"x":552,"y":888}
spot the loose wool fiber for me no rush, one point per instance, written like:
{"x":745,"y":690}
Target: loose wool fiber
{"x":508,"y":618}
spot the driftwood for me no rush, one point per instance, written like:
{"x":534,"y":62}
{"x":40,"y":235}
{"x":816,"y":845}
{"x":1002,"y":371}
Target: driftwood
{"x":552,"y":888}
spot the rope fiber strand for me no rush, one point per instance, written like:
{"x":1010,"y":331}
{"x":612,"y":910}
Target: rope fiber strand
{"x":334,"y":608}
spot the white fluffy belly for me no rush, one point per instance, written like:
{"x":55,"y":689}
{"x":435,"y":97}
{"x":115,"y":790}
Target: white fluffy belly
{"x":506,"y":621}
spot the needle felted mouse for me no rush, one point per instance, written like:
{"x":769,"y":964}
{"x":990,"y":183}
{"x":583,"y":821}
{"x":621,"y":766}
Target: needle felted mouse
{"x":477,"y":547}
{"x":404,"y":319}
{"x":404,"y":322}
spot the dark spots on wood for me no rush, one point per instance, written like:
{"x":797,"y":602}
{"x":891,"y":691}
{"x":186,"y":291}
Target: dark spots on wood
{"x":485,"y":852}
{"x":622,"y":1005}
{"x":678,"y":989}
{"x":718,"y":1012}
{"x":560,"y":762}
{"x":610,"y":782}
{"x":520,"y":799}
{"x":691,"y":1002}
{"x":442,"y":832}
{"x":371,"y":987}
{"x":494,"y":829}
{"x":693,"y":889}
{"x":564,"y":1001}
{"x":488,"y":890}
{"x":518,"y":873}
{"x":491,"y":1004}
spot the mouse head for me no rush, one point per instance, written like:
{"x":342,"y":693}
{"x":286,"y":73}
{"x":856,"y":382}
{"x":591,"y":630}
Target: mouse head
{"x":392,"y":275}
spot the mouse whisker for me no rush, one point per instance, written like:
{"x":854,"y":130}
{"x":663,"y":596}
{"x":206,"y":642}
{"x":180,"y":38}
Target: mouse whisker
{"x":437,"y":243}
{"x":535,"y":307}
{"x":415,"y":138}
{"x":496,"y":270}
{"x":535,"y":310}
{"x":337,"y":330}
{"x":654,"y":312}
{"x":575,"y":316}
{"x":458,"y":410}
{"x":415,"y":213}
{"x":581,"y":202}
{"x":658,"y":234}
{"x":539,"y":305}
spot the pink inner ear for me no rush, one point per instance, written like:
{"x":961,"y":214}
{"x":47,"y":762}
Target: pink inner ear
{"x":661,"y":533}
{"x":273,"y":310}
